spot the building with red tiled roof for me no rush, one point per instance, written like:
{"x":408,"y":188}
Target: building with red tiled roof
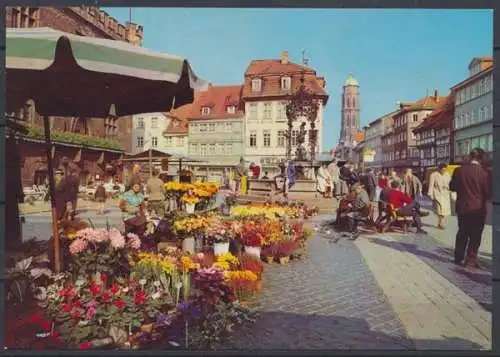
{"x":410,"y":116}
{"x":216,"y":129}
{"x":268,"y":86}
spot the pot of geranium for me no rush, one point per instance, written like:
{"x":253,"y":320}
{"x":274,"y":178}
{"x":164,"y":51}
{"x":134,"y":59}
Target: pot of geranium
{"x":251,"y":241}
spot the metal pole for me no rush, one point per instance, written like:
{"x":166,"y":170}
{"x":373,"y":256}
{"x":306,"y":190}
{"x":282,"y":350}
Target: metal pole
{"x":150,"y":163}
{"x":52,"y":189}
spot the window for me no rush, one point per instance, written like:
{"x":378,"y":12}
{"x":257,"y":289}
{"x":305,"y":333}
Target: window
{"x":140,"y":123}
{"x":281,"y":139}
{"x":228,"y":127}
{"x":252,"y":111}
{"x":467,"y":93}
{"x":268,"y":111}
{"x":203,"y":128}
{"x":397,"y":155}
{"x":286,"y":83}
{"x":415,"y":118}
{"x":474,"y":90}
{"x":475,"y":142}
{"x":473,"y":117}
{"x":211,"y":149}
{"x":193,"y":149}
{"x":180,"y":141}
{"x":205,"y":111}
{"x":229,"y":149}
{"x":486,"y":113}
{"x":231,"y":109}
{"x":295,"y":133}
{"x":487,"y":84}
{"x":256,"y":85}
{"x":203,"y":150}
{"x":281,"y":115}
{"x":481,"y":114}
{"x":483,"y":142}
{"x":211,"y":127}
{"x":220,"y":149}
{"x":154,"y":123}
{"x":253,"y":139}
{"x":267,"y":138}
{"x":467,"y":119}
{"x":412,"y":135}
{"x":140,"y":141}
{"x":481,"y":87}
{"x":403,"y":154}
{"x":154,"y":142}
{"x":168,"y":141}
{"x":490,"y":142}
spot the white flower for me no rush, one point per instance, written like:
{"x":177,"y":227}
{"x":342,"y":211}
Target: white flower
{"x":179,"y":285}
{"x":157,"y":283}
{"x":143,"y":282}
{"x":82,"y":323}
{"x":156,"y":295}
{"x":125,"y":289}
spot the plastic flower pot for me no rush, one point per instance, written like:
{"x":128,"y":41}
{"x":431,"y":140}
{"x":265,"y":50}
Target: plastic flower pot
{"x":253,"y":250}
{"x":190,"y":208}
{"x":284,"y":260}
{"x":188,"y":244}
{"x":221,"y":248}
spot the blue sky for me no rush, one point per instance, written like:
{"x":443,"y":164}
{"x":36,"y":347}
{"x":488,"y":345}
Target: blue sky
{"x":397,"y":55}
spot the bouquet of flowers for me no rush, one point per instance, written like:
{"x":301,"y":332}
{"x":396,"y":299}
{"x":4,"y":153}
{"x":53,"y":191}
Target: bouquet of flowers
{"x":226,"y":261}
{"x":242,"y":282}
{"x":219,"y":231}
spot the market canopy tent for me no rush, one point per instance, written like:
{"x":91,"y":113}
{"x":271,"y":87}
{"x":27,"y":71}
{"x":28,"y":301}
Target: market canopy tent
{"x":70,"y":75}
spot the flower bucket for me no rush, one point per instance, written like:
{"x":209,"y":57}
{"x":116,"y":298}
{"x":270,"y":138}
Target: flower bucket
{"x":269,"y":259}
{"x":190,"y":208}
{"x":284,"y":260}
{"x":188,"y":244}
{"x":221,"y":248}
{"x":172,"y":204}
{"x":253,"y":250}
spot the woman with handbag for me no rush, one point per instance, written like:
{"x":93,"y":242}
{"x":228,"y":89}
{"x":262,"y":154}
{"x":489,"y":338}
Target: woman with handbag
{"x":439,"y":193}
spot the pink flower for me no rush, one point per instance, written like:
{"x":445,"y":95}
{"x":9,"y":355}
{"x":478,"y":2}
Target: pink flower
{"x":97,"y":235}
{"x":133,"y":240}
{"x":116,"y":238}
{"x":90,"y":313}
{"x":78,"y":246}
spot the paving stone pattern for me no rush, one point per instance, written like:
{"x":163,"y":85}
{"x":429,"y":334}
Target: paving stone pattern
{"x":330,"y":300}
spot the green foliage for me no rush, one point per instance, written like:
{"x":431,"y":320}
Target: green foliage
{"x":38,"y":133}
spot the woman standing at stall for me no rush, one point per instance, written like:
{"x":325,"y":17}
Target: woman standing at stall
{"x":439,"y":193}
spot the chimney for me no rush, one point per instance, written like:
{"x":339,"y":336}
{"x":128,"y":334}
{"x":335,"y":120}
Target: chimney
{"x":284,"y":57}
{"x":436,"y":94}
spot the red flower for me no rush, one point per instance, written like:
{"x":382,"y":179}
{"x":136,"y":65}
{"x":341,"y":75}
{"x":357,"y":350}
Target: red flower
{"x":115,"y":289}
{"x":76,"y":314}
{"x":67,"y":307}
{"x":120,"y":304}
{"x":45,"y":325}
{"x":106,"y":296}
{"x":78,"y":303}
{"x":35,"y":318}
{"x":103,"y":277}
{"x":140,"y":297}
{"x":86,"y":345}
{"x":95,"y":289}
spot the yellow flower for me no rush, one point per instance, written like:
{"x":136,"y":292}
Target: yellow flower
{"x":240,"y":275}
{"x":187,"y":264}
{"x":226,"y":261}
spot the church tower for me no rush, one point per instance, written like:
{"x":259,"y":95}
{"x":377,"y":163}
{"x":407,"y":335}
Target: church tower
{"x":350,"y":123}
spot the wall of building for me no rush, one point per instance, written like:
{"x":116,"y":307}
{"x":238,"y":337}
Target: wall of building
{"x":148,"y":131}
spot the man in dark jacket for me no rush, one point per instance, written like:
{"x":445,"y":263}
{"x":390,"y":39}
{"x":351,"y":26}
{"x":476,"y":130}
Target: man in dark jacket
{"x":472,"y":184}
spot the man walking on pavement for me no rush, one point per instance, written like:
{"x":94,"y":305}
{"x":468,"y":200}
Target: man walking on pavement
{"x":472,"y":184}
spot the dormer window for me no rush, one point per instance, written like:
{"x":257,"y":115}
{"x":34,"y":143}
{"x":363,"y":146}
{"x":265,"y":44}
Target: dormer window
{"x":286,"y":83}
{"x":231,"y":109}
{"x":205,"y":111}
{"x":256,"y":85}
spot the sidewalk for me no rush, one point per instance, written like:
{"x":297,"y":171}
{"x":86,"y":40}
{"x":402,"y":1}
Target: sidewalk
{"x":44,"y":207}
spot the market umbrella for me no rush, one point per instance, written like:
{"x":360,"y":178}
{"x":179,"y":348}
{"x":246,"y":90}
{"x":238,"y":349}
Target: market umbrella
{"x":70,"y":75}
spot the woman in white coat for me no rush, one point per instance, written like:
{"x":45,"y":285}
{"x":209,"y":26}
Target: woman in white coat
{"x":439,"y":193}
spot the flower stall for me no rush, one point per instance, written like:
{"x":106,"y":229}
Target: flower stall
{"x":118,"y":294}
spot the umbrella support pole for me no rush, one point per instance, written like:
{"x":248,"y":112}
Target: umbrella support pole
{"x":52,"y":189}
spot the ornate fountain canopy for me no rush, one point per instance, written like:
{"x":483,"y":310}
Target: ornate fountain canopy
{"x":303,"y":104}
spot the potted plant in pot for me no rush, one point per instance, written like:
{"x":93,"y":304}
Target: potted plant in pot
{"x":251,"y":237}
{"x":220,"y":234}
{"x":269,"y":253}
{"x":190,"y":200}
{"x":284,"y":249}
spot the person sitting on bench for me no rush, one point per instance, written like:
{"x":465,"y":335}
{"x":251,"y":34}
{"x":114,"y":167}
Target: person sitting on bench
{"x":357,"y":209}
{"x":405,"y":206}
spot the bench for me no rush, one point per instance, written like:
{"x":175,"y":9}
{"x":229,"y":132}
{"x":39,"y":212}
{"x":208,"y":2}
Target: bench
{"x":390,"y":215}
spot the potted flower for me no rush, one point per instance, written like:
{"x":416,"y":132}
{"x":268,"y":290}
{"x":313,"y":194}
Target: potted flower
{"x":284,"y":249}
{"x":269,"y":253}
{"x":190,"y":200}
{"x":220,"y":233}
{"x":251,"y":241}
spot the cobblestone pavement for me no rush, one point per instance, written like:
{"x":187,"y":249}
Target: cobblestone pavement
{"x":330,"y":300}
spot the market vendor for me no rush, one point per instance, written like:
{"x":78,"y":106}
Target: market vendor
{"x":133,"y":207}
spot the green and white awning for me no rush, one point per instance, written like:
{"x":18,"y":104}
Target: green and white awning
{"x":36,"y":49}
